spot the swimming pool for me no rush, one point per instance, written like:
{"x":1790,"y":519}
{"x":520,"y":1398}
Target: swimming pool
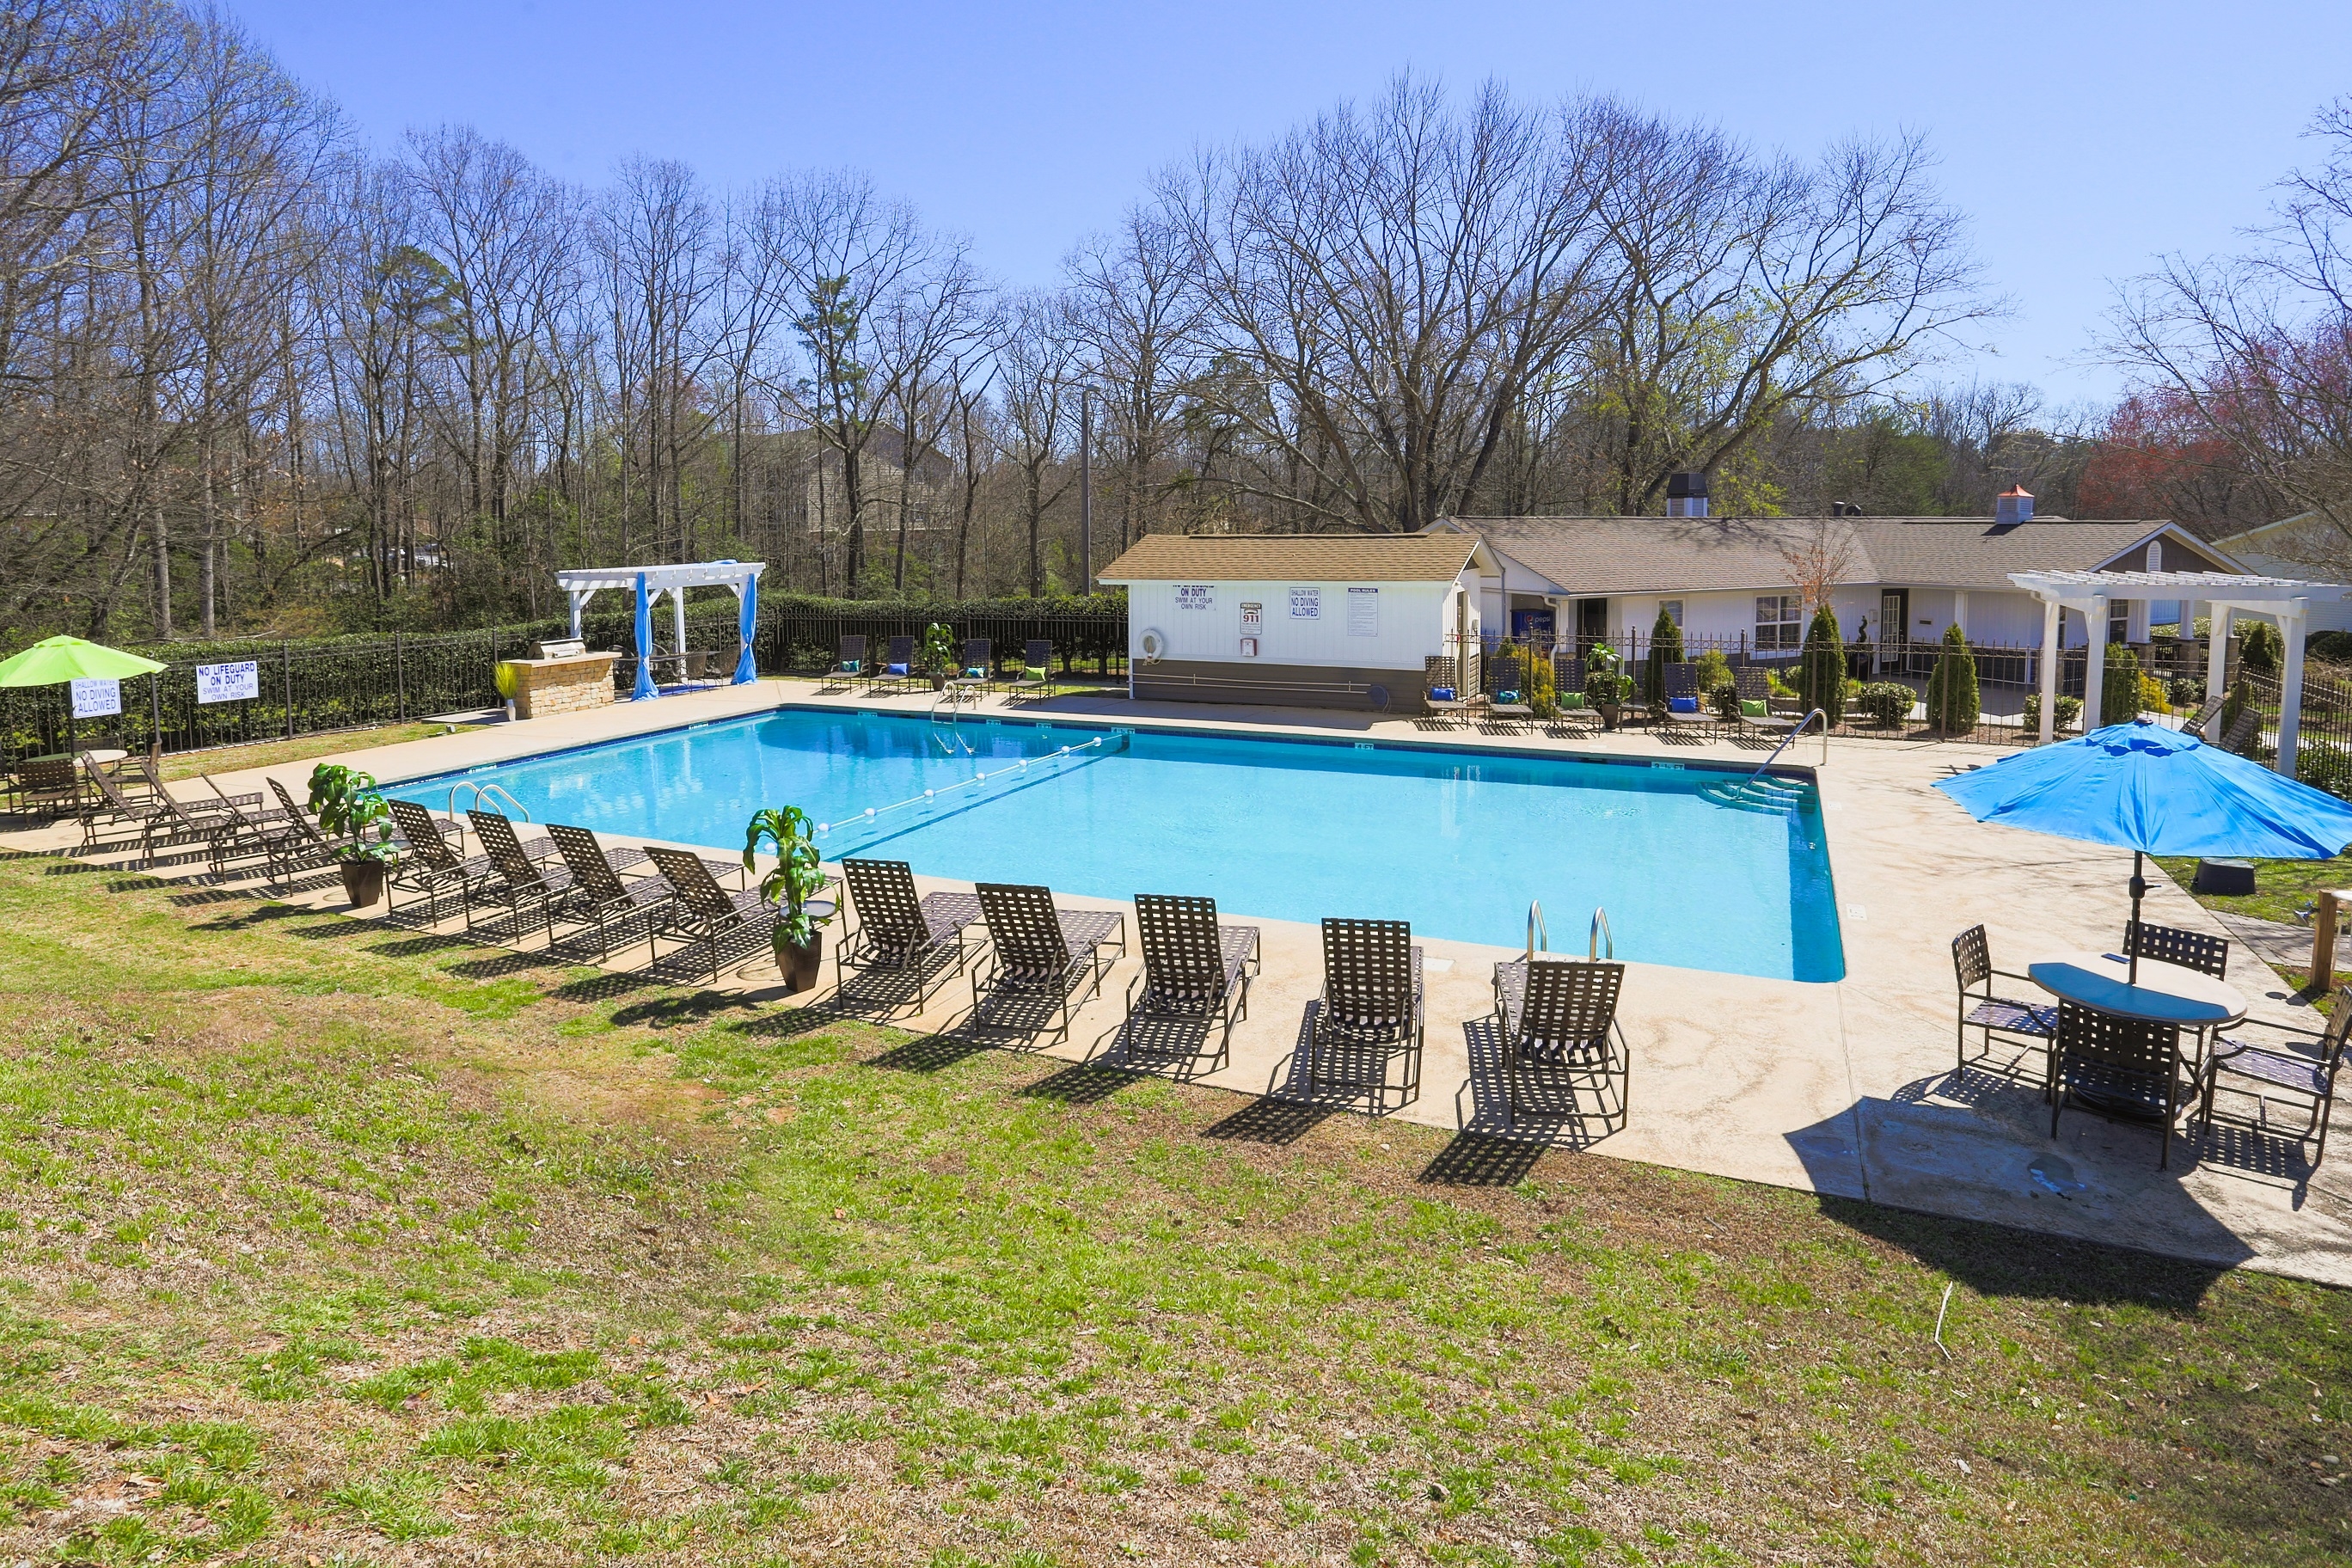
{"x":1455,"y":841}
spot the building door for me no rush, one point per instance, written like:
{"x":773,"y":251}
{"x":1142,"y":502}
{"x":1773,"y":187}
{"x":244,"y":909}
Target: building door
{"x":1592,"y":621}
{"x":1893,"y":627}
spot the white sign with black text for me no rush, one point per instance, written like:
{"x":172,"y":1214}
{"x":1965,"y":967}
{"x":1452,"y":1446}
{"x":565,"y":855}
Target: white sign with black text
{"x":228,"y":683}
{"x":1363,"y":611}
{"x":1252,"y":616}
{"x":1196,"y":596}
{"x":96,"y":697}
{"x":1307,"y":603}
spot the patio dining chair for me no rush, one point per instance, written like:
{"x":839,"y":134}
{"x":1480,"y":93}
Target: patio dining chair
{"x":703,"y":912}
{"x":2122,"y":1068}
{"x":1037,"y":952}
{"x":1195,"y":980}
{"x":1369,"y":1021}
{"x":516,"y":881}
{"x":2030,"y":1024}
{"x":52,"y":787}
{"x":896,"y":673}
{"x":1037,"y":679}
{"x":1560,"y":1037}
{"x":849,"y":667}
{"x":600,"y":897}
{"x":2171,"y":944}
{"x":890,"y":931}
{"x":2300,"y":1068}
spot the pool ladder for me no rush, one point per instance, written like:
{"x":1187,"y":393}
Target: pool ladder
{"x":482,"y":792}
{"x":1602,"y":942}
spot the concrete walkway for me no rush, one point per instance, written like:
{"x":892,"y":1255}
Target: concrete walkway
{"x":1846,"y":1089}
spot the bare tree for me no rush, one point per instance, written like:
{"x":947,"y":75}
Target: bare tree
{"x":1039,"y":356}
{"x":1137,"y":317}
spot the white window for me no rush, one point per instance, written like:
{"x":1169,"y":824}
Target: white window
{"x":1673,"y":610}
{"x":1780,"y":621}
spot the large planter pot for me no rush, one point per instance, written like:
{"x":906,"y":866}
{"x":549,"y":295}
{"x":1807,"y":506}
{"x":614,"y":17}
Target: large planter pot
{"x":799,"y":962}
{"x":1609,"y":712}
{"x":938,"y":683}
{"x":363,"y":882}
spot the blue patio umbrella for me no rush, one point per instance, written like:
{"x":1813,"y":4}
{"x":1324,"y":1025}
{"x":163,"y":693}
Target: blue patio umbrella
{"x":645,"y":687}
{"x":747,"y":622}
{"x":2155,"y":791}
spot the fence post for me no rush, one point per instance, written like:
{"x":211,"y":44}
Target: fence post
{"x":399,"y":679}
{"x":286,"y":667}
{"x":155,"y":708}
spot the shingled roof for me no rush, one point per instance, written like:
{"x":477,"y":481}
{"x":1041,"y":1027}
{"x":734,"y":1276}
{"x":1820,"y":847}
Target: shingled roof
{"x":1292,"y":557}
{"x":1607,"y":555}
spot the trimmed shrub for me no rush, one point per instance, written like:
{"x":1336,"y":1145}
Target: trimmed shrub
{"x":2070,"y":713}
{"x":2260,"y":647}
{"x":1665,"y":648}
{"x":1886,"y":701}
{"x":1821,"y":670}
{"x":2119,"y":685}
{"x":1954,"y":702}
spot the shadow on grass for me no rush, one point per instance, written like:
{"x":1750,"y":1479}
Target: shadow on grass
{"x":1089,"y":1083}
{"x":2002,"y":1261}
{"x":676,"y":1011}
{"x":932,"y":1053}
{"x":1478,"y":1160}
{"x":1269,"y":1121}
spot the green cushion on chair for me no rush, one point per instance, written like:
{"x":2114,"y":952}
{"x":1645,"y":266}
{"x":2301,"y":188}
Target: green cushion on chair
{"x":1753,"y":709}
{"x":1571,"y":699}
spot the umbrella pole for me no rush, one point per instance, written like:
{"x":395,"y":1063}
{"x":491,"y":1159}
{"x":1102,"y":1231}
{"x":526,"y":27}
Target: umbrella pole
{"x":2139,"y":891}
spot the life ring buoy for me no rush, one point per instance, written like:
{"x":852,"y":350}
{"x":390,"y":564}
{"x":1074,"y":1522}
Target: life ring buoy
{"x":1152,"y":645}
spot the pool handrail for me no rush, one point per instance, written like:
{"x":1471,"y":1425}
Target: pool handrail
{"x":1602,"y":942}
{"x":1539,"y":935}
{"x":1790,"y":740}
{"x":482,"y":792}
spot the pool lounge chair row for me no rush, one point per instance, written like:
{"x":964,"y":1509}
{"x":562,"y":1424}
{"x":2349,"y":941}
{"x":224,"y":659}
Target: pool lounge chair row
{"x":895,"y":672}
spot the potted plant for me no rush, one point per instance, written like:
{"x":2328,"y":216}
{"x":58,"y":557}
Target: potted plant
{"x":791,"y":885}
{"x":349,"y":807}
{"x":939,"y":654}
{"x":1605,"y":685}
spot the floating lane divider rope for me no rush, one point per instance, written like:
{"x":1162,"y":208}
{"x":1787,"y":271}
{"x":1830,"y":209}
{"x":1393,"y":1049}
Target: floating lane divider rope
{"x":953,"y":793}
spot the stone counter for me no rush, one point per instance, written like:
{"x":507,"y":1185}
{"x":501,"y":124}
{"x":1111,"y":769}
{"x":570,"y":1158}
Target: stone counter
{"x":549,"y":686}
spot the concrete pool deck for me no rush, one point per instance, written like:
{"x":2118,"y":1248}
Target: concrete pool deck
{"x":1846,"y":1089}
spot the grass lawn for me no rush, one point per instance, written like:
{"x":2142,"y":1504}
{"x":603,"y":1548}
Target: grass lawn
{"x":322,"y":1244}
{"x":268,"y":753}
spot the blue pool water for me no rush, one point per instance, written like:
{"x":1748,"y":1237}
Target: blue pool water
{"x":1455,"y":842}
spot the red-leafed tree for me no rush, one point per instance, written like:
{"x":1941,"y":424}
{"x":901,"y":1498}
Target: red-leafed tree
{"x":2158,"y":456}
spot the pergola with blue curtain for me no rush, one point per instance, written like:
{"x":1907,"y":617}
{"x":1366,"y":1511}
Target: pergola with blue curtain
{"x":649,"y":582}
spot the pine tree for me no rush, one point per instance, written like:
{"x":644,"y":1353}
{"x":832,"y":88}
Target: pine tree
{"x":1954,"y":702}
{"x":1820,"y":673}
{"x":2119,"y":686}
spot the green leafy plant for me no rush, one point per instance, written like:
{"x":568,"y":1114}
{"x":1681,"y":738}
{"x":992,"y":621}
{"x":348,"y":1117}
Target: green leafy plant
{"x":1713,"y":671}
{"x":348,"y":806}
{"x":2259,"y":647}
{"x":794,"y":879}
{"x":2069,"y":713}
{"x":1886,"y":701}
{"x":939,"y":648}
{"x":1606,"y":685}
{"x":1954,"y":700}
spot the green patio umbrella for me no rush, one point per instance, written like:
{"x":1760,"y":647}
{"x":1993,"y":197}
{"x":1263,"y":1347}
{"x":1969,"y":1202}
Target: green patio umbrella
{"x":54,"y":660}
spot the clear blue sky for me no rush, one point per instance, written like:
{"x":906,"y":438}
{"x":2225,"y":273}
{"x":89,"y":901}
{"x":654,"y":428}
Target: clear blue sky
{"x":2081,"y":138}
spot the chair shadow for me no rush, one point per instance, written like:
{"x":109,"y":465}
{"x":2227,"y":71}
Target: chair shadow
{"x":1087,"y":1083}
{"x":1290,"y":1081}
{"x":1560,"y":1113}
{"x":1271,"y":1120}
{"x":931,"y":1053}
{"x":1176,"y":1049}
{"x":1482,"y":1160}
{"x":677,"y":1010}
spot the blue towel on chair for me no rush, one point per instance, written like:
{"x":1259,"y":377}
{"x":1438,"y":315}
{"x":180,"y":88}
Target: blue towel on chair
{"x":852,"y":666}
{"x":1507,"y":697}
{"x":975,"y":673}
{"x":896,"y":670}
{"x":1441,"y":694}
{"x":1682,"y":705}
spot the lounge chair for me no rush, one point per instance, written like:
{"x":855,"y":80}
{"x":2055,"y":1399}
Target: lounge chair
{"x":1442,"y":693}
{"x":977,"y":671}
{"x":516,"y":881}
{"x":850,"y":667}
{"x":2119,"y":1068}
{"x":1561,"y":1038}
{"x":1754,"y":687}
{"x":896,"y":671}
{"x":2030,"y":1024}
{"x":1037,"y":951}
{"x":147,"y":814}
{"x":1196,"y":976}
{"x":599,"y":896}
{"x":893,"y":931}
{"x":430,"y":866}
{"x":1685,"y":703}
{"x":1036,"y":670}
{"x":1508,"y":708}
{"x":284,"y":848}
{"x":2171,"y":944}
{"x":1370,"y":1016}
{"x":703,"y":912}
{"x":2303,"y":1066}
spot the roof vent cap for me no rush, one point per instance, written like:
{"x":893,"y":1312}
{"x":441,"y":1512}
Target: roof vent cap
{"x":1686,"y":495}
{"x":2013,"y":506}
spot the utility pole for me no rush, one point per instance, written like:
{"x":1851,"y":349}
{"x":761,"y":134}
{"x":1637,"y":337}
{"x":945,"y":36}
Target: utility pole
{"x":1087,"y":485}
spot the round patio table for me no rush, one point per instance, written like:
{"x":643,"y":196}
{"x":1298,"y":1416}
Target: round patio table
{"x":2166,"y":993}
{"x":101,"y":756}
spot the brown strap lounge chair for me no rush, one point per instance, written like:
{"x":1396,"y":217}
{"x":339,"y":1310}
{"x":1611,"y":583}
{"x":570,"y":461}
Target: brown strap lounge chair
{"x":2123,"y":1068}
{"x":976,"y":670}
{"x":1680,"y":684}
{"x":1040,"y":953}
{"x":429,"y":865}
{"x":1037,"y":679}
{"x":282,"y":847}
{"x":1368,"y":1019}
{"x":1508,"y":708}
{"x":600,"y":897}
{"x":850,"y":667}
{"x":150,"y":816}
{"x":904,"y":944}
{"x":516,"y":882}
{"x":1442,"y":693}
{"x":703,"y":912}
{"x":2296,"y":1066}
{"x":895,"y":670}
{"x":1562,"y":1040}
{"x":1195,"y":979}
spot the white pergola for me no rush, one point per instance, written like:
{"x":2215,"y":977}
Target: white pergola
{"x":585,"y":583}
{"x":2282,"y":598}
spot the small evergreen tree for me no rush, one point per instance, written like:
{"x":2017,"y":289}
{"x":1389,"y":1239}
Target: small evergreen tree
{"x":1665,"y":648}
{"x":2119,"y":685}
{"x":1954,"y":702}
{"x":1821,"y":670}
{"x":2260,"y":648}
